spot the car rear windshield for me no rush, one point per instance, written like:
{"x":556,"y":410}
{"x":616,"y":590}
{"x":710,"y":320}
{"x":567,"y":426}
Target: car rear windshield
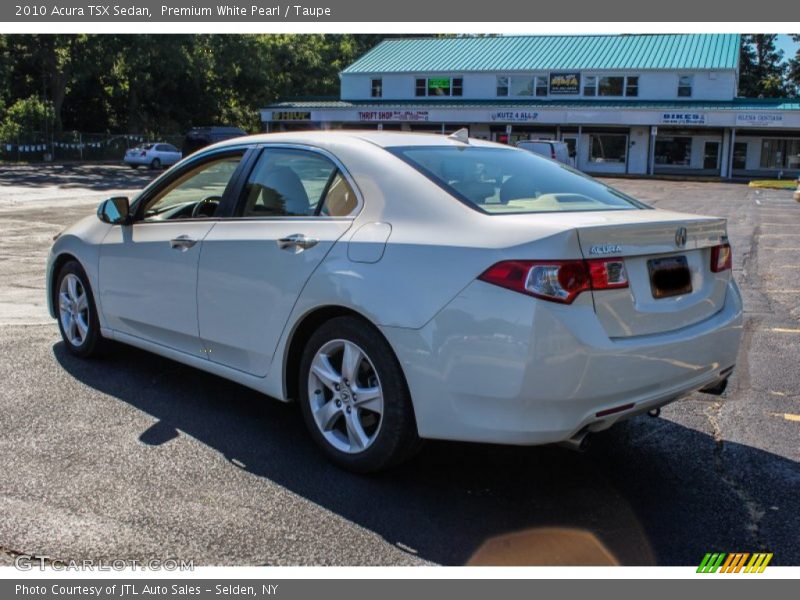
{"x":500,"y":180}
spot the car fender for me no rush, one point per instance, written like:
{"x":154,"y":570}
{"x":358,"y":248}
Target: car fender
{"x":82,"y":241}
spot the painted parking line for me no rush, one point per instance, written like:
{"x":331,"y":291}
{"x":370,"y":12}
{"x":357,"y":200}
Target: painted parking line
{"x":788,"y":416}
{"x":783,"y":330}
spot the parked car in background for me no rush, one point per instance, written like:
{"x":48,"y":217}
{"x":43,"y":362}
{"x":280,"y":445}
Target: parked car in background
{"x":403,"y":286}
{"x":155,"y":156}
{"x":549,"y":148}
{"x":200,"y":137}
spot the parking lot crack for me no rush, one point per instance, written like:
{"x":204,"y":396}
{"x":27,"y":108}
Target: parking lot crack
{"x":753,"y":508}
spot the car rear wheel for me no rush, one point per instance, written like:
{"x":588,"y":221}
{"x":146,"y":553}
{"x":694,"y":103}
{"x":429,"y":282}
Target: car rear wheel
{"x":156,"y":164}
{"x":77,"y":315}
{"x":354,"y":397}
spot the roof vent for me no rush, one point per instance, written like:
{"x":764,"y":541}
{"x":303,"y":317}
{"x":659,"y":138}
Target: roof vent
{"x":462,"y":135}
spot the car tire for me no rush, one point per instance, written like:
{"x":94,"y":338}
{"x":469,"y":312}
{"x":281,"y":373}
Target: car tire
{"x":156,"y":164}
{"x":76,"y":312}
{"x":386,"y":432}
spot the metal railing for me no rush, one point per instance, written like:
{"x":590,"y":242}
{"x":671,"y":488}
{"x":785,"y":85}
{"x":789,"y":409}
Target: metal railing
{"x":77,"y":146}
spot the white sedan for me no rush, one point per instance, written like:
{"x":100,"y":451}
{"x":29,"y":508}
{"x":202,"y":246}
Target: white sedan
{"x":155,"y":156}
{"x":407,"y":286}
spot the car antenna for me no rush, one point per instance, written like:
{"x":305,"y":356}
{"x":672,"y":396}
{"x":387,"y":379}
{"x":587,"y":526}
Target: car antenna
{"x":462,"y":135}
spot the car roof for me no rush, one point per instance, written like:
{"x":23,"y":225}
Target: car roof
{"x":383,"y":139}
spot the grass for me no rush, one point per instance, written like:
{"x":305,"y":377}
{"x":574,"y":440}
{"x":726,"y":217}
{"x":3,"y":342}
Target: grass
{"x":774,"y":184}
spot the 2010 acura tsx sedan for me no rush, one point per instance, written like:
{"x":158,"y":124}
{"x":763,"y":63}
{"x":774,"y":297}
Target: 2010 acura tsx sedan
{"x":407,"y":286}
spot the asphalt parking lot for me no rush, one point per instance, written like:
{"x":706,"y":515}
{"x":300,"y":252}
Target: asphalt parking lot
{"x":135,"y":457}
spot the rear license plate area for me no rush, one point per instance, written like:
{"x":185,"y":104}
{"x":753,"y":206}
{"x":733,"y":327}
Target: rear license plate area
{"x":669,"y":276}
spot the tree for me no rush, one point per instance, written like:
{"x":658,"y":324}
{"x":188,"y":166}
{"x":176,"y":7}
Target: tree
{"x":762,"y":70}
{"x":794,"y":68}
{"x":164,"y":84}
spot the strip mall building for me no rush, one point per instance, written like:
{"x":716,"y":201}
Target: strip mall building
{"x":627,"y":104}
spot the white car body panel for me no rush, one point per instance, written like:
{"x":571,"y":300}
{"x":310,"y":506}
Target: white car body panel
{"x":247,"y":285}
{"x":149,"y":289}
{"x":483,"y":363}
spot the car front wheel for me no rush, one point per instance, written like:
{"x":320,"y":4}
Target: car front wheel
{"x":77,"y":316}
{"x":354,"y":397}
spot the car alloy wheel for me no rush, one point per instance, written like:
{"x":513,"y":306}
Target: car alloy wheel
{"x":345,"y":396}
{"x":73,"y":306}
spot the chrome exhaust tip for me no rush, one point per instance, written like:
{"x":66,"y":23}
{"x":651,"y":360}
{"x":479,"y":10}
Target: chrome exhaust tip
{"x":579,"y":442}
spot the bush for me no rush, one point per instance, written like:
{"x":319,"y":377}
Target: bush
{"x":26,"y":115}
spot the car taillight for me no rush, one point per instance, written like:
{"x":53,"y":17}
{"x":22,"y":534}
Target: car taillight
{"x":721,"y":258}
{"x":557,"y":280}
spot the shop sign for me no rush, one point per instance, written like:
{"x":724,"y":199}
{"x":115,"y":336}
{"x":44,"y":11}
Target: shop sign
{"x":565,"y":83}
{"x":291,"y":116}
{"x":393,"y":115}
{"x":514,"y":116}
{"x":759,"y":119}
{"x":682,"y":118}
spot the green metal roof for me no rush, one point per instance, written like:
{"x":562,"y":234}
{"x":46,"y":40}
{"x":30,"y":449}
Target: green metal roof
{"x":768,"y":104}
{"x":551,"y":53}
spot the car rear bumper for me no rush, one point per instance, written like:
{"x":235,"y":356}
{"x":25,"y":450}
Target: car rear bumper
{"x":137,"y":160}
{"x":495,"y":366}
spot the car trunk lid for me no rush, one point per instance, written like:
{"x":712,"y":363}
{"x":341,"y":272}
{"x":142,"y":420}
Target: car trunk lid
{"x":667,"y":258}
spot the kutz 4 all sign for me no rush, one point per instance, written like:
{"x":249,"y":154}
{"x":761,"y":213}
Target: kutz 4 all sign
{"x":735,"y":562}
{"x":565,"y":84}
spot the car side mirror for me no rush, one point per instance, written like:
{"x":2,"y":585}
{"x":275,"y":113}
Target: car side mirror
{"x":115,"y":211}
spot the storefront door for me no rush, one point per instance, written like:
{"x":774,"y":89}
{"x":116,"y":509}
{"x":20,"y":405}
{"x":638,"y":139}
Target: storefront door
{"x":572,"y":145}
{"x":711,"y":156}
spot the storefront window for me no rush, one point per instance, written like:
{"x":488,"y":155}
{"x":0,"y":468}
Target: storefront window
{"x":541,"y":85}
{"x":502,"y":86}
{"x":685,"y":86}
{"x":632,"y":86}
{"x":377,"y":87}
{"x":590,"y":85}
{"x":740,"y":155}
{"x":521,"y":86}
{"x":673,"y":151}
{"x":780,"y":154}
{"x":608,"y":148}
{"x":611,"y":86}
{"x":439,"y":86}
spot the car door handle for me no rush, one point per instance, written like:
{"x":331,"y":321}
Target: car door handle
{"x":297,"y":240}
{"x":182,"y":242}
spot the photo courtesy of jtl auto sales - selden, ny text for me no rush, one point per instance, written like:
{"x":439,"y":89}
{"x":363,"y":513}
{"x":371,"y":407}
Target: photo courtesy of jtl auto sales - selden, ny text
{"x":399,"y":300}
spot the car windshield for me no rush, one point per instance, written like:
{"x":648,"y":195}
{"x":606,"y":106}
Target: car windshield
{"x":500,"y":180}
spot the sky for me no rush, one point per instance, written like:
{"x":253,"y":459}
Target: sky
{"x":786,"y":44}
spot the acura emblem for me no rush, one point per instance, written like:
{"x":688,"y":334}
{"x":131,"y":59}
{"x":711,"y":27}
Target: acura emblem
{"x":680,"y":237}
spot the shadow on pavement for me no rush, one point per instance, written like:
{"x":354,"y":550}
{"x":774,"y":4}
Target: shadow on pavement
{"x":649,"y":491}
{"x":95,"y":177}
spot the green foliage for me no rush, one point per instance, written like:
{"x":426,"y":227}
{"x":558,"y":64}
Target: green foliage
{"x":167,"y":83}
{"x":29,"y":114}
{"x":762,"y":69}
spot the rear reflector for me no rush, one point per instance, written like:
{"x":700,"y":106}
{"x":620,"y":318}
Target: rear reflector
{"x":721,"y":258}
{"x":557,"y":280}
{"x":616,"y":409}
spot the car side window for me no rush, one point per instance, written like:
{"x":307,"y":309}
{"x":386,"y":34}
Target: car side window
{"x":340,"y":200}
{"x":293,"y":183}
{"x":195,"y":194}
